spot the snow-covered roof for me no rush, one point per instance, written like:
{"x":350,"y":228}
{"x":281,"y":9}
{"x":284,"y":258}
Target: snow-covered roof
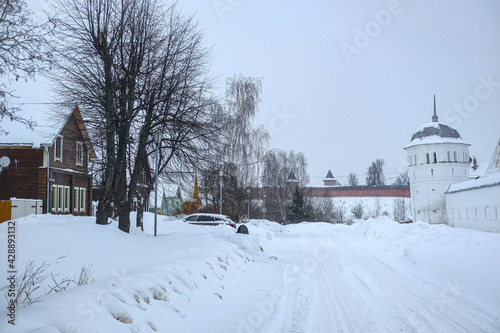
{"x":479,"y":172}
{"x":476,"y":183}
{"x":434,"y":132}
{"x":46,"y":127}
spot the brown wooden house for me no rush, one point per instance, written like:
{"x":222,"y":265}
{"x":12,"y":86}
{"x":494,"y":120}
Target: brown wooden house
{"x":52,"y":157}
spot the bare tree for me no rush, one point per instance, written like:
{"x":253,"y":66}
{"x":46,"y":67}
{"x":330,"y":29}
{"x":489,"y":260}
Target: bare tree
{"x":22,"y":52}
{"x":234,"y":200}
{"x":244,"y":145}
{"x":375,"y":174}
{"x":322,"y":209}
{"x":136,"y":67}
{"x":358,"y":210}
{"x":278,"y":165}
{"x":400,"y":209}
{"x":352,"y":179}
{"x":340,"y":210}
{"x":402,"y":179}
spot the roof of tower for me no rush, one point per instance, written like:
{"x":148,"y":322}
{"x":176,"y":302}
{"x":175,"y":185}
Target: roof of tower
{"x":291,"y":177}
{"x":435,"y":132}
{"x":329,"y":175}
{"x":435,"y":129}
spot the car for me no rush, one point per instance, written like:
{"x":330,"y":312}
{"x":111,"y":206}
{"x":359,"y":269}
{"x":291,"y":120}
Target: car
{"x":209,"y":219}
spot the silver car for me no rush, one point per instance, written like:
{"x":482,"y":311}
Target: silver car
{"x":209,"y":219}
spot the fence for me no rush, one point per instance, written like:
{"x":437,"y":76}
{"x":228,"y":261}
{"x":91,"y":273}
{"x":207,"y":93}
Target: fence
{"x":16,"y":208}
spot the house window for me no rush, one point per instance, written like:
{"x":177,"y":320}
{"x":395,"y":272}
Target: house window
{"x":79,"y":199}
{"x":76,"y":203}
{"x":79,"y":153}
{"x":435,"y":157}
{"x":455,"y":156}
{"x":54,"y":198}
{"x":427,"y":158}
{"x":432,"y":172}
{"x":82,"y":199}
{"x":449,"y":156}
{"x":67,"y":191}
{"x":60,"y":199}
{"x":58,"y":148}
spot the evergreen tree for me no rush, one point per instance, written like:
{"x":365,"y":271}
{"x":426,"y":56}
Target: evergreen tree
{"x":297,"y":208}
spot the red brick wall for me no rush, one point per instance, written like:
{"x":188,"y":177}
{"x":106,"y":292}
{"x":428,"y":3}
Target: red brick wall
{"x":346,"y":191}
{"x":358,"y":191}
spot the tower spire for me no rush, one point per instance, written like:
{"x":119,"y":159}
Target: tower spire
{"x":435,"y":117}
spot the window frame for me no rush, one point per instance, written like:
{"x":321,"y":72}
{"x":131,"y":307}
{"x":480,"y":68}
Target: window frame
{"x":82,"y":199}
{"x":66,"y":199}
{"x":54,"y":198}
{"x":79,"y":153}
{"x":58,"y":148}
{"x":76,"y":200}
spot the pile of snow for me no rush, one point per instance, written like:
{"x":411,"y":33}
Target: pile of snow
{"x":376,"y":275}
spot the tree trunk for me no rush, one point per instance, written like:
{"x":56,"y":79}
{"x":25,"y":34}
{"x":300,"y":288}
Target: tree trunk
{"x":102,"y":212}
{"x":124,"y":217}
{"x":140,"y":213}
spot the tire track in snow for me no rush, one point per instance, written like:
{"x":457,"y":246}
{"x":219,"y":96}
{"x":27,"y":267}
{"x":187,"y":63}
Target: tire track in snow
{"x":347,"y":289}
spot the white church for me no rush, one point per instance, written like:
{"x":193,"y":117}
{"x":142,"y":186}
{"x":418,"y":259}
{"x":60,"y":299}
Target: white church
{"x":441,"y":190}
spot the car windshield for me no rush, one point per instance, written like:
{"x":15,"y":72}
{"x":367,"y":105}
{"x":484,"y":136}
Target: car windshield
{"x":192,"y":218}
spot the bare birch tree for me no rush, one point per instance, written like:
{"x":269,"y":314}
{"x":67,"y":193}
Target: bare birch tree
{"x":245,"y":146}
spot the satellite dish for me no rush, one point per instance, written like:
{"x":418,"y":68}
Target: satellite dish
{"x":4,"y":162}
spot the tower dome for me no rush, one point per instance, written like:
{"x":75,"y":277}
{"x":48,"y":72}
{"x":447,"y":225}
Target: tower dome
{"x":435,"y":132}
{"x":440,"y":130}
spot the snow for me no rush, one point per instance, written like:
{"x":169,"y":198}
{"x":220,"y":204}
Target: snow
{"x":373,"y":276}
{"x":433,"y":139}
{"x":479,"y":172}
{"x":475,"y":183}
{"x":45,"y":128}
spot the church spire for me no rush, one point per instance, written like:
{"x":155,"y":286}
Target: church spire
{"x":435,"y":117}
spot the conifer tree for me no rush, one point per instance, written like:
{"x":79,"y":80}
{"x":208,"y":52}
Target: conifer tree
{"x":297,"y":208}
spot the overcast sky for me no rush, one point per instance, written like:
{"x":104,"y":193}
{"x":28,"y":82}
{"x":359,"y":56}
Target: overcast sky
{"x":347,"y":82}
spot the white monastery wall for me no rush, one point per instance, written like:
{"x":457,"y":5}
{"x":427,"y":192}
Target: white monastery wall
{"x":477,"y":208}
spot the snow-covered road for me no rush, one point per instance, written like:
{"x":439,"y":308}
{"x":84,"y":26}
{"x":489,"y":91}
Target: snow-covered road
{"x":330,"y":285}
{"x":374,"y":276}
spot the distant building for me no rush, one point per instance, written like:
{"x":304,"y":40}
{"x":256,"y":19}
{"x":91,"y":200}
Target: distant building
{"x":330,"y":180}
{"x":172,"y":205}
{"x":439,"y":167}
{"x":437,"y":157}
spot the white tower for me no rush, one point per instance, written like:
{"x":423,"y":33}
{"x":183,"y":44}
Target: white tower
{"x":437,"y":158}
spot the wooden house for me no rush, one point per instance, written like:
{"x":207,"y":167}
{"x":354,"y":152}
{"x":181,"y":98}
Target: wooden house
{"x":49,"y":162}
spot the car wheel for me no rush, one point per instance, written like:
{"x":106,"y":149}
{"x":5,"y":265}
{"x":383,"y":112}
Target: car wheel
{"x":242,"y":229}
